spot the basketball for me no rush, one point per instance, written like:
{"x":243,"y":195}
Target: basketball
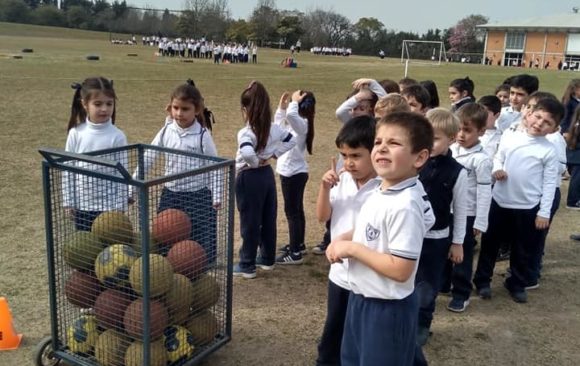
{"x":160,"y":275}
{"x":81,"y":249}
{"x":133,"y":319}
{"x":178,"y":342}
{"x":188,"y":258}
{"x":179,"y":299}
{"x":113,"y":264}
{"x":110,"y":307}
{"x":113,"y":227}
{"x":111,"y":347}
{"x":82,"y":334}
{"x":157,"y":354}
{"x":171,"y":226}
{"x":203,"y":327}
{"x":81,"y":289}
{"x":206,"y":292}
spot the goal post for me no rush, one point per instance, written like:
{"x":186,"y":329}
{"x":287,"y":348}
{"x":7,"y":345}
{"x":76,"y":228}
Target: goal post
{"x":425,"y":52}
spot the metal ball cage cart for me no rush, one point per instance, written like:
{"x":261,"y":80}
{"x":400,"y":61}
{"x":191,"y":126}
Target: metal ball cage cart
{"x":139,"y":246}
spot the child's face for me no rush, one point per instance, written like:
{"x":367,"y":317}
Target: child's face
{"x":540,"y":123}
{"x":99,"y":108}
{"x":357,"y":161}
{"x":183,"y":112}
{"x":363,"y":108}
{"x":504,"y":97}
{"x":393,"y":157}
{"x":468,"y":135}
{"x":414,"y":105}
{"x":529,"y":106}
{"x":441,"y":143}
{"x":517,"y":97}
{"x":454,"y":95}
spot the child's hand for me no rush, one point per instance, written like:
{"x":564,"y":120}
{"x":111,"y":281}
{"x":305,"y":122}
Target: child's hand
{"x":456,"y":253}
{"x":542,"y":223}
{"x":500,"y":175}
{"x":331,"y":177}
{"x":361,"y":83}
{"x":297,"y":96}
{"x":337,"y":250}
{"x":363,"y":94}
{"x":284,"y":101}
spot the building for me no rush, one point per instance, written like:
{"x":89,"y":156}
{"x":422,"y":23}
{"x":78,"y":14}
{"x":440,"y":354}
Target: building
{"x":545,"y":42}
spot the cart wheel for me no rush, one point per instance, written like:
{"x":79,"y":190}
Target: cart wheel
{"x":43,"y":354}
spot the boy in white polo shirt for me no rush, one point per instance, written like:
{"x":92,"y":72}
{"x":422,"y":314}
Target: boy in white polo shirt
{"x":383,"y":251}
{"x":526,"y":173}
{"x":340,"y":198}
{"x":520,"y":87}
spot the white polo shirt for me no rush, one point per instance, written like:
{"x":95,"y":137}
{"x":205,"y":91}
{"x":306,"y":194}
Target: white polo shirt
{"x":279,"y":141}
{"x":490,"y":141}
{"x":346,"y":200}
{"x":393,"y":221}
{"x":559,"y":143}
{"x":507,"y":116}
{"x":293,"y":161}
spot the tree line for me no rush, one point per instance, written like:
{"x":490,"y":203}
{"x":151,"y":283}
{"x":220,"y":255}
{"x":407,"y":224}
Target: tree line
{"x":267,"y":25}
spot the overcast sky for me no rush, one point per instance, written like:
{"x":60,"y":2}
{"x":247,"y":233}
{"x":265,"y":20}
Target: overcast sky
{"x":404,"y":15}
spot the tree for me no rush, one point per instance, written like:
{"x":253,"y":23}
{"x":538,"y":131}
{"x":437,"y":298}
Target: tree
{"x":15,"y":11}
{"x":238,"y":31}
{"x":290,"y":28}
{"x":369,"y":35}
{"x":465,"y":37}
{"x":263,"y":21}
{"x":326,"y":28}
{"x":77,"y":17}
{"x":49,"y":15}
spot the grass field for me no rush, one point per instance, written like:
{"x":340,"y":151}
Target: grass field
{"x":274,"y":322}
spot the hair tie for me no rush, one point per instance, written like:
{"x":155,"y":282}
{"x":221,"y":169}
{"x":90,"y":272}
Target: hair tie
{"x":76,"y":86}
{"x":190,"y":82}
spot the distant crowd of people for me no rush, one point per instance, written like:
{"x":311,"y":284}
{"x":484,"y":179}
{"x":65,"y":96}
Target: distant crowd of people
{"x":331,"y":51}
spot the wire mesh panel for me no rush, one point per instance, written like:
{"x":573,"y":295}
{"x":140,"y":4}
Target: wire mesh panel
{"x":139,"y":247}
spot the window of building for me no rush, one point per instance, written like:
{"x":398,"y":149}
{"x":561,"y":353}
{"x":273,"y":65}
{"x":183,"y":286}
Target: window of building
{"x":513,"y":59}
{"x":515,"y":41}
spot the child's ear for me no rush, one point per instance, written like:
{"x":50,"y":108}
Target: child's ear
{"x":422,"y":157}
{"x":481,"y":132}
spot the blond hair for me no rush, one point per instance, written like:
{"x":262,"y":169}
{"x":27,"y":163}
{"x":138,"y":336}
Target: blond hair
{"x":390,"y":103}
{"x":443,"y":120}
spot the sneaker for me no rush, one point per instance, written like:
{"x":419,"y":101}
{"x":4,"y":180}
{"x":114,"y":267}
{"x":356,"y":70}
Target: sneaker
{"x":286,"y":249}
{"x":263,"y":265}
{"x":457,"y":305}
{"x":320,"y":249}
{"x":423,"y":334}
{"x":575,"y":207}
{"x":520,"y":297}
{"x":532,"y":286}
{"x":244,"y":273}
{"x":290,"y":258}
{"x":484,"y":293}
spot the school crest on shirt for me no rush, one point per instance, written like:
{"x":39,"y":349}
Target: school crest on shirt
{"x":372,"y":233}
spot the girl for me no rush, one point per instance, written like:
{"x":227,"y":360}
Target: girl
{"x":196,"y":195}
{"x":361,"y":101}
{"x":570,"y":99}
{"x":503,"y":93}
{"x":91,"y":127}
{"x":259,"y":141}
{"x":433,"y":94}
{"x":293,"y":169}
{"x":573,"y":158}
{"x":461,"y":92}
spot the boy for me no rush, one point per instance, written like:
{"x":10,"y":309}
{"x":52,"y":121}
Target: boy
{"x":520,"y":87}
{"x":339,"y":200}
{"x":491,"y":137}
{"x":526,"y":173}
{"x":469,"y":153}
{"x":391,"y":103}
{"x":444,"y":180}
{"x":381,"y":320}
{"x":417,"y":97}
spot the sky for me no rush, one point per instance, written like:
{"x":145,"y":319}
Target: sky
{"x":407,"y":15}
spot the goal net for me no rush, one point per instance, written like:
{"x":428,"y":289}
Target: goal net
{"x":425,"y":52}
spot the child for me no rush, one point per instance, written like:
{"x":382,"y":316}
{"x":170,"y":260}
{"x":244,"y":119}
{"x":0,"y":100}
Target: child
{"x":469,"y":153}
{"x":520,"y":87}
{"x":570,"y":99}
{"x":382,"y":251}
{"x":184,"y":130}
{"x":390,"y":86}
{"x":445,"y":181}
{"x":461,"y":92}
{"x":293,"y":169}
{"x":431,"y":87}
{"x":503,"y":94}
{"x":573,"y":159}
{"x":339,"y":201}
{"x":91,"y":127}
{"x":526,"y":176}
{"x":417,"y":97}
{"x":362,"y":100}
{"x":491,"y":137}
{"x":406,"y":82}
{"x":391,"y":103}
{"x":258,"y":142}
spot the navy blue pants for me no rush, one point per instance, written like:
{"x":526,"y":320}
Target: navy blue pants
{"x":329,"y":346}
{"x":462,"y":272}
{"x":429,"y":275}
{"x":199,"y":207}
{"x":574,"y":186}
{"x":518,"y":227}
{"x":379,"y":332}
{"x":293,"y":192}
{"x":84,"y":219}
{"x":257,"y":204}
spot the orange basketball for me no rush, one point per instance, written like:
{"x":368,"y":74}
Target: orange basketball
{"x":171,"y":226}
{"x":188,"y":258}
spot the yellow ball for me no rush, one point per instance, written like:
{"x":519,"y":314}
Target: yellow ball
{"x":113,"y":264}
{"x":204,"y":327}
{"x":160,"y":275}
{"x":179,"y":299}
{"x":157,"y":353}
{"x":82,"y":335}
{"x":111,"y":347}
{"x":113,"y":227}
{"x":178,"y":344}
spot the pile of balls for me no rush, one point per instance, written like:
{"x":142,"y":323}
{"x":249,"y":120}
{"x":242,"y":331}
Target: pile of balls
{"x":106,"y":278}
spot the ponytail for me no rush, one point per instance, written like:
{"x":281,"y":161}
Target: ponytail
{"x":464,"y":85}
{"x":256,"y":101}
{"x":574,"y":131}
{"x":307,"y":109}
{"x":77,"y":111}
{"x":189,"y":92}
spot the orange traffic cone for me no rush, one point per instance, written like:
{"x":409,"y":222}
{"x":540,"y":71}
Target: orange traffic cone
{"x":8,"y":337}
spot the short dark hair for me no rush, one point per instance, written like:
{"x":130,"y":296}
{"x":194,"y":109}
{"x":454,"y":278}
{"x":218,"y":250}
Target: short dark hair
{"x":529,"y":83}
{"x":552,"y":106}
{"x":491,"y":102}
{"x":390,"y":86}
{"x":431,"y":87}
{"x":539,"y":95}
{"x":474,"y":113}
{"x":418,"y":92}
{"x":418,"y":126}
{"x":357,"y":132}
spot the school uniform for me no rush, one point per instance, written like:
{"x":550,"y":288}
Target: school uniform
{"x":256,"y":194}
{"x":346,"y":199}
{"x":507,"y":117}
{"x":444,"y":180}
{"x":343,"y":111}
{"x":568,"y":114}
{"x":531,"y":165}
{"x":195,"y":195}
{"x":478,"y":200}
{"x":460,"y":103}
{"x":490,"y":141}
{"x":381,"y":319}
{"x":90,"y":197}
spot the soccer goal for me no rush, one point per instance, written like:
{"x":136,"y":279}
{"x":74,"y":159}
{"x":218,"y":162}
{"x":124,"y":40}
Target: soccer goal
{"x":424,"y":52}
